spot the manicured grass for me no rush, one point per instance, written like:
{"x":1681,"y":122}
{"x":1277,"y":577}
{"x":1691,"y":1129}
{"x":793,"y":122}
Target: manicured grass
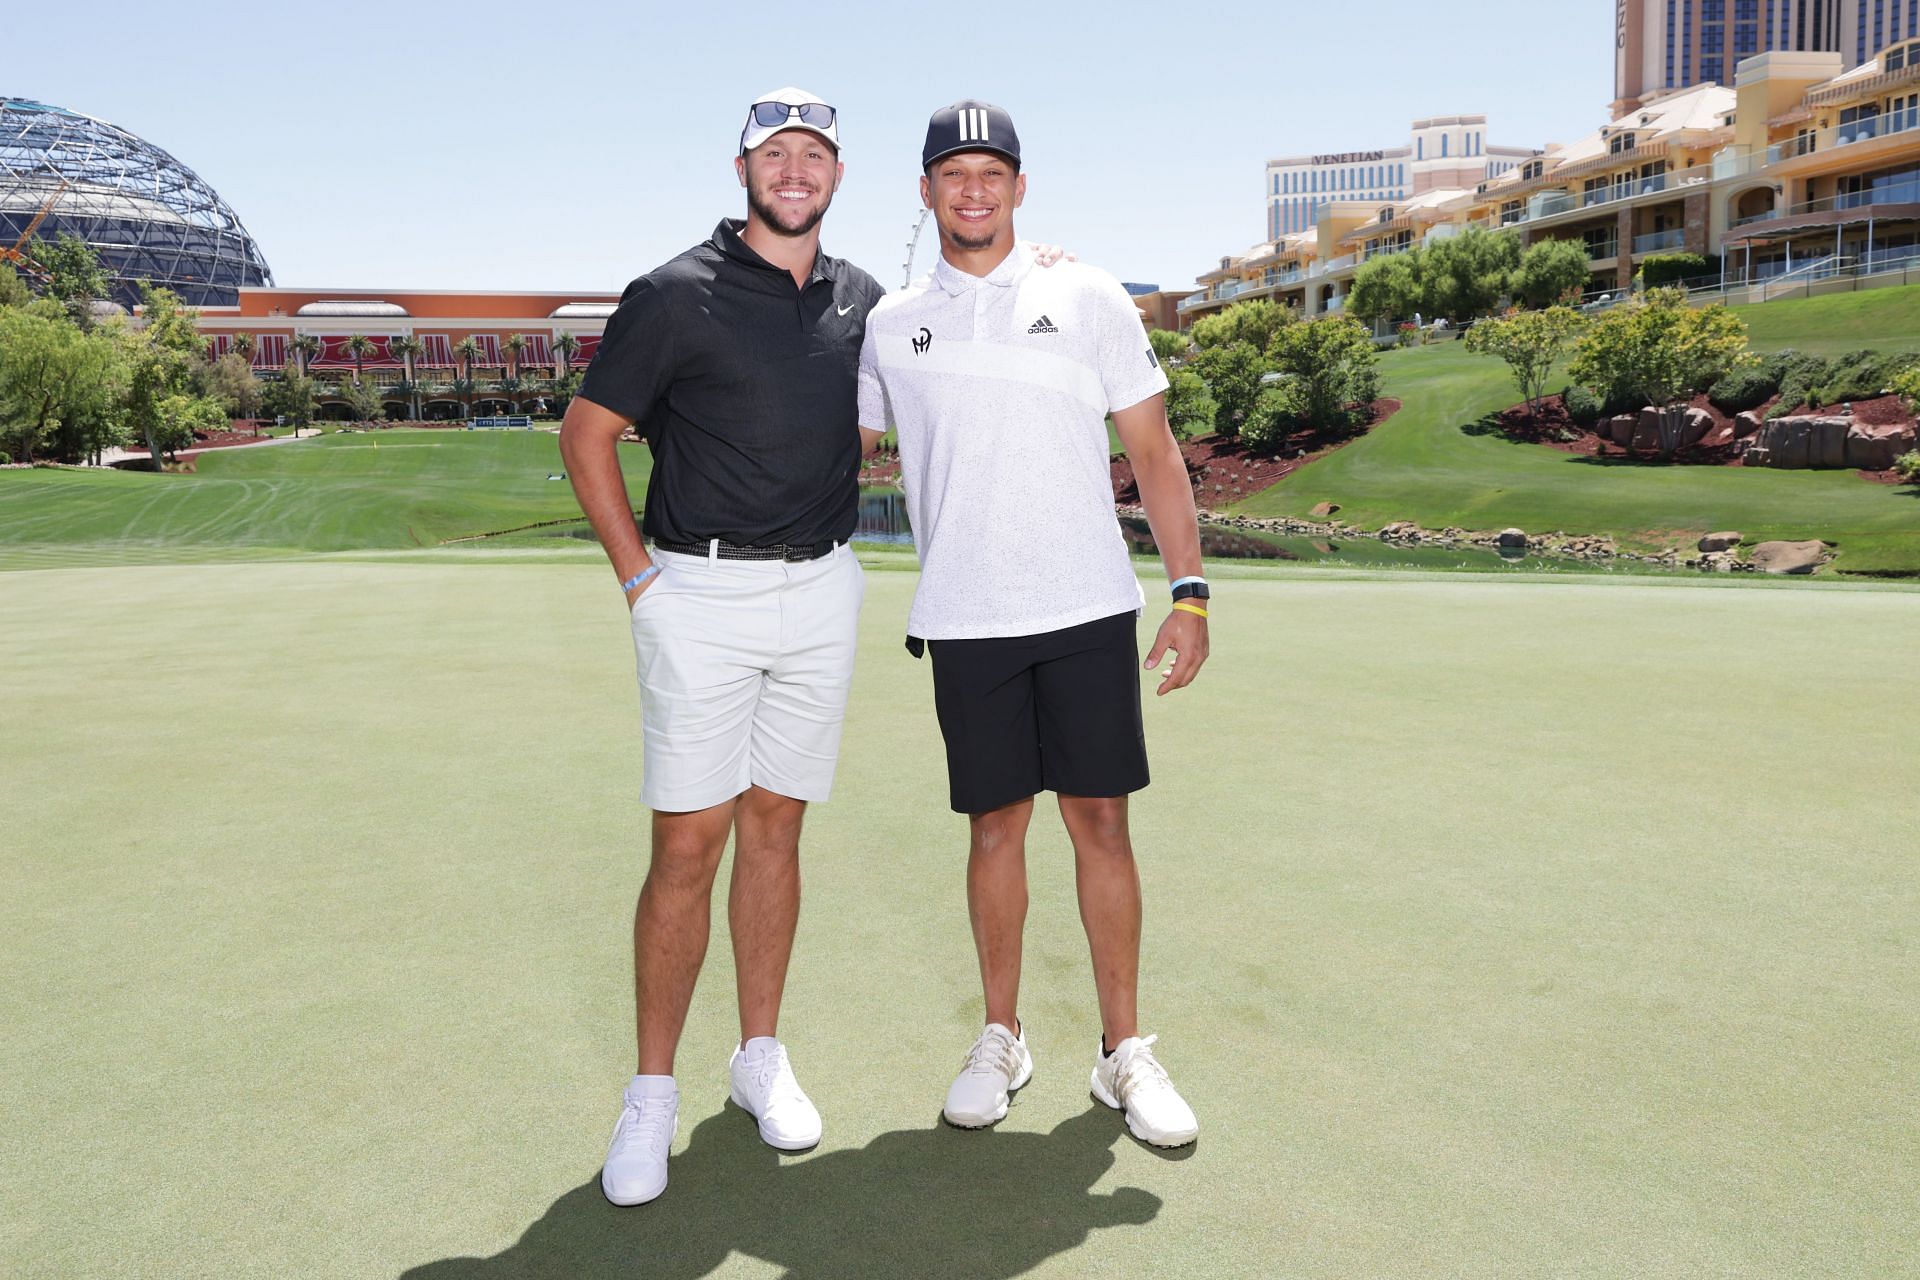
{"x":316,"y":939}
{"x":393,"y":488}
{"x":1884,"y":319}
{"x":1433,"y":464}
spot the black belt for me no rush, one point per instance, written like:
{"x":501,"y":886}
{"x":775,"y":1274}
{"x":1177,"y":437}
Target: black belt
{"x":734,"y":551}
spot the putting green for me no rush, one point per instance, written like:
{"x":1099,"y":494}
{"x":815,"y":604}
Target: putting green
{"x":1494,"y":928}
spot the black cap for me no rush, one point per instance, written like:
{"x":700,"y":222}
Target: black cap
{"x":970,"y":126}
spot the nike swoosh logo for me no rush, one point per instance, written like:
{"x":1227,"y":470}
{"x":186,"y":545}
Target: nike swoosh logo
{"x":847,"y":308}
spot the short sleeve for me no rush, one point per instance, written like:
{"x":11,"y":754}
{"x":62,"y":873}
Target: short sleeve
{"x":873,"y":411}
{"x":634,"y":365}
{"x":1129,"y":370}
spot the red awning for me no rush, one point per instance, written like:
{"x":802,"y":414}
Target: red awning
{"x":270,"y":351}
{"x":439,"y":351}
{"x":536,"y":352}
{"x":334,"y":354}
{"x":489,"y":345}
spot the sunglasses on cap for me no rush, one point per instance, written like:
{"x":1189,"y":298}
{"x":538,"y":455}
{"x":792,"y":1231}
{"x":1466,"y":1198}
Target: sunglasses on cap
{"x":769,"y":114}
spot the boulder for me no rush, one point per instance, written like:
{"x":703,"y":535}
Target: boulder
{"x":1745,"y":424}
{"x":1872,"y":448}
{"x":1827,"y":446}
{"x":1619,"y":428}
{"x":1788,"y":557}
{"x":1694,"y":426}
{"x":1719,"y":542}
{"x":1646,"y":431}
{"x":1324,"y":509}
{"x":1512,"y":538}
{"x":1784,"y":442}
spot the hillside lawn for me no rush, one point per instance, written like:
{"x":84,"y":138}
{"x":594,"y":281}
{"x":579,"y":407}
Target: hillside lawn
{"x":316,"y":935}
{"x":1435,"y":462}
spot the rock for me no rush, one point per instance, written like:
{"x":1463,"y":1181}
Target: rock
{"x":1871,"y":448}
{"x":1827,"y":446}
{"x":1324,"y":509}
{"x":1646,"y":431}
{"x":1745,"y":424}
{"x":1720,"y":542}
{"x":1512,"y":538}
{"x":1695,"y":424}
{"x":1788,"y":557}
{"x":1784,"y":442}
{"x":1619,"y":429}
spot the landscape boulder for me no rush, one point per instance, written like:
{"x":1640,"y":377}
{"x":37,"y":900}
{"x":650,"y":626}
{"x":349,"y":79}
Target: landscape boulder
{"x":1325,"y":509}
{"x":1719,"y":542}
{"x":1828,"y":446}
{"x":1619,"y":429}
{"x":1783,"y":442}
{"x":1788,"y":557}
{"x":1512,"y":538}
{"x":1871,"y":448}
{"x":1745,"y":424}
{"x":1646,"y":431}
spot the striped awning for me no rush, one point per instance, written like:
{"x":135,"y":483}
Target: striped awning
{"x":439,"y":351}
{"x":270,"y":351}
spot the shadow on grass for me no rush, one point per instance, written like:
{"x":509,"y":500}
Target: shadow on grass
{"x":921,"y":1202}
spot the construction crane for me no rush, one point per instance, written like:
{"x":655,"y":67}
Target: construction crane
{"x":16,"y":255}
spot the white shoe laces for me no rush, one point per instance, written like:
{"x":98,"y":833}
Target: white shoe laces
{"x":646,"y":1121}
{"x":773,"y":1076}
{"x":1140,"y":1071}
{"x":993,"y":1052}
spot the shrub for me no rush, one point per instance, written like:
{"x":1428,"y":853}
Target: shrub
{"x":1906,"y":385}
{"x":1743,"y":389}
{"x":1232,"y":371}
{"x":1907,"y":467}
{"x":1658,"y":269}
{"x":1659,"y":349}
{"x":1190,"y":406}
{"x":1272,"y":419}
{"x":1862,"y":375}
{"x":1798,"y":374}
{"x":1332,"y":365}
{"x":1583,"y":406}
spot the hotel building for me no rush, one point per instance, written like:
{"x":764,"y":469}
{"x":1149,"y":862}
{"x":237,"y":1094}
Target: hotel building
{"x":1446,"y":151}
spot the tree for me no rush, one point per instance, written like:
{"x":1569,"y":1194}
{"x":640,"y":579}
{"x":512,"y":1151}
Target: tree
{"x":1387,"y":287}
{"x":1169,"y":348}
{"x":75,"y":278}
{"x":466,"y":351}
{"x":1657,"y":350}
{"x":1466,"y":275}
{"x":305,"y":347}
{"x":1552,"y":271}
{"x":166,"y":354}
{"x":565,"y":388}
{"x":1253,"y":323}
{"x":291,"y":397}
{"x":359,"y":346}
{"x":1232,"y":371}
{"x":243,"y":345}
{"x":13,"y":290}
{"x":568,"y":347}
{"x":52,"y":374}
{"x":409,"y":349}
{"x":1531,"y":342}
{"x":513,"y":344}
{"x":1190,"y":406}
{"x":230,"y":381}
{"x":363,"y":401}
{"x":1329,"y":363}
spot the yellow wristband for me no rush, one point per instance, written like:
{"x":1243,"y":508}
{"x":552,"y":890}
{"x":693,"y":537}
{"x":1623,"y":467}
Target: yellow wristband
{"x":1190,"y":607}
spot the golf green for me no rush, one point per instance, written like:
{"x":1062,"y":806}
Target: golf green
{"x":1494,"y":928}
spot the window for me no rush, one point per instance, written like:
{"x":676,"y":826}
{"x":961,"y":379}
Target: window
{"x":1443,"y":144}
{"x":1531,"y":170}
{"x":1746,"y":10}
{"x":1713,"y":10}
{"x":1602,"y":242}
{"x":1746,"y":40}
{"x":1593,"y":191}
{"x":1419,"y":148}
{"x":1621,"y":142}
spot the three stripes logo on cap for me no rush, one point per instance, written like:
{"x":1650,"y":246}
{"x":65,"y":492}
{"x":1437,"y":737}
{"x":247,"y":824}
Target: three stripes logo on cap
{"x":973,"y":125}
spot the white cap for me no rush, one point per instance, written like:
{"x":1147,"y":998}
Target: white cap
{"x":756,"y":133}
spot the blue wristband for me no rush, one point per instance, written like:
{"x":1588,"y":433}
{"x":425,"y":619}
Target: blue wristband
{"x":639,"y":578}
{"x":1181,"y":582}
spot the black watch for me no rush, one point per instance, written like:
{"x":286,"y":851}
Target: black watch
{"x":1191,"y":591}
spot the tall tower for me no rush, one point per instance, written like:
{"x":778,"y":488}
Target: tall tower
{"x":1660,"y":45}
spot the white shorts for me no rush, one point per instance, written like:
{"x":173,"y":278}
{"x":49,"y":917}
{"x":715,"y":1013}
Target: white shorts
{"x":744,"y":667}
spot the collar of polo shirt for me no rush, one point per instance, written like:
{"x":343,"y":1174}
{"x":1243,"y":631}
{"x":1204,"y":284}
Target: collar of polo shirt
{"x":956,"y":282}
{"x":727,"y":238}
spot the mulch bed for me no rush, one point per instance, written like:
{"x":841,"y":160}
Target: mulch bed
{"x":1227,"y":470}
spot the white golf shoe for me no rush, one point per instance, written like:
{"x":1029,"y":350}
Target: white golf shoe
{"x":997,"y":1064}
{"x":764,"y":1087}
{"x":636,"y":1168}
{"x":1131,"y":1079}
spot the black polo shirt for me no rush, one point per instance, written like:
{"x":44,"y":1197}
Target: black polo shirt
{"x":744,"y":387}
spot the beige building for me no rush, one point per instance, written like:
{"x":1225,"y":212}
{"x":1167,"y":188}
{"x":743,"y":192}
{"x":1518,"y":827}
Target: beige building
{"x":1802,"y":169}
{"x":1443,"y":151}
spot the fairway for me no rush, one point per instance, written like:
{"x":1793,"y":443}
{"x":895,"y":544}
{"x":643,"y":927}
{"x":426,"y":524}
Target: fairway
{"x":1494,"y":928}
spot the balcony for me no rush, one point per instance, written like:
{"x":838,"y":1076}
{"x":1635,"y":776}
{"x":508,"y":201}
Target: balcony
{"x":1833,"y":137}
{"x":1655,"y":241}
{"x":1602,"y":250}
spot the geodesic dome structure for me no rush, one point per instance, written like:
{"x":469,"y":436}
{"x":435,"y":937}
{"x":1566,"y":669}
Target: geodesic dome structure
{"x":148,"y":216}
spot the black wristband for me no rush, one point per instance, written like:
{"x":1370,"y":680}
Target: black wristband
{"x":1191,"y":591}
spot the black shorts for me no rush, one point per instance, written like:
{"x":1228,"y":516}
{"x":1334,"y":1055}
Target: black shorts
{"x":1059,"y":711}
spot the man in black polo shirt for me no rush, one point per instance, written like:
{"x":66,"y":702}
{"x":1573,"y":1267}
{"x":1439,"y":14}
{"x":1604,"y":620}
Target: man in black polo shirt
{"x":737,"y":362}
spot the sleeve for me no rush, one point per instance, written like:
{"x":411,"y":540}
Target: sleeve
{"x":634,"y":365}
{"x":874,"y":413}
{"x":1129,"y":371}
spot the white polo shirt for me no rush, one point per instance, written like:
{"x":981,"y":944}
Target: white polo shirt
{"x":1000,"y":389}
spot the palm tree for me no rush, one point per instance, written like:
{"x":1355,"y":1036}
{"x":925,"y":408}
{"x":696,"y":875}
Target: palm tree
{"x":466,"y":351}
{"x":513,"y":344}
{"x":409,"y":349}
{"x":359,"y":346}
{"x":305,"y":348}
{"x":242,"y":345}
{"x":568,"y":346}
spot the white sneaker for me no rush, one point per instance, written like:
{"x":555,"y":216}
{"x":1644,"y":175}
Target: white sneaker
{"x":764,"y":1087}
{"x":997,"y":1064}
{"x":1132,"y":1079}
{"x":636,"y":1168}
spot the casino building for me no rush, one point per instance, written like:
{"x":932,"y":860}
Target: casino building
{"x":1443,"y":152}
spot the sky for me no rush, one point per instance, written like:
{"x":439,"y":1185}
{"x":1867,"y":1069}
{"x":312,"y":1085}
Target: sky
{"x":571,"y":147}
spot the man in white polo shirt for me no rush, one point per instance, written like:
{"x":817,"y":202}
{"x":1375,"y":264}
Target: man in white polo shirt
{"x":999,"y":379}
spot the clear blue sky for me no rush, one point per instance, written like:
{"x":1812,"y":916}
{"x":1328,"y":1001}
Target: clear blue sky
{"x":572,"y":146}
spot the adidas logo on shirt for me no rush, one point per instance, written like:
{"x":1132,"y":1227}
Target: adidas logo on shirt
{"x":1043,"y":325}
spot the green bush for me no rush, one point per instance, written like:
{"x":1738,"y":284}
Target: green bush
{"x":1744,"y":389}
{"x":1273,"y":418}
{"x":1659,"y":269}
{"x":1798,"y":374}
{"x":1907,"y":467}
{"x":1862,"y":375}
{"x":1583,"y":406}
